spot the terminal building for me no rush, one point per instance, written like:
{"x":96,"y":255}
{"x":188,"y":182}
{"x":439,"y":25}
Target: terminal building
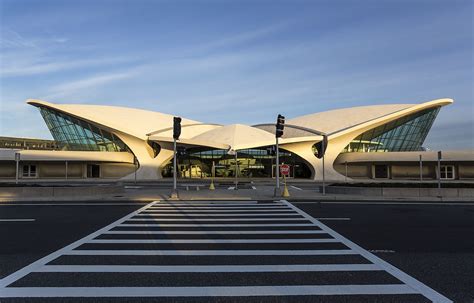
{"x":377,"y":142}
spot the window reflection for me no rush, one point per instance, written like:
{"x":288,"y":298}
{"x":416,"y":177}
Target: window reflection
{"x":73,"y":134}
{"x":405,"y":134}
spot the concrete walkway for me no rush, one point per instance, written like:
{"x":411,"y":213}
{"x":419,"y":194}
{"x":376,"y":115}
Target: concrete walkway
{"x":145,"y":193}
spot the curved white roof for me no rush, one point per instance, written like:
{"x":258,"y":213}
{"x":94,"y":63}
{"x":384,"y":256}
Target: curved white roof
{"x":237,"y":136}
{"x":340,"y":119}
{"x":158,"y":126}
{"x":136,"y":122}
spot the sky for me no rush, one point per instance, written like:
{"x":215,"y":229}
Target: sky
{"x":238,"y":61}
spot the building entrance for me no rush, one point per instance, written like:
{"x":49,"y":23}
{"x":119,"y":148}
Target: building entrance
{"x":251,"y":163}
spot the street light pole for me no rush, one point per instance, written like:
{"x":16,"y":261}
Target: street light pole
{"x":17,"y":160}
{"x":236,"y":171}
{"x":421,"y":168}
{"x":324,"y":177}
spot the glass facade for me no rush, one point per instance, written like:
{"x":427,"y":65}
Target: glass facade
{"x":405,"y":134}
{"x":71,"y":133}
{"x":251,"y":163}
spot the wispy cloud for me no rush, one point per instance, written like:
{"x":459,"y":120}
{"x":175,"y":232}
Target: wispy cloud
{"x":25,"y":65}
{"x":71,"y":87}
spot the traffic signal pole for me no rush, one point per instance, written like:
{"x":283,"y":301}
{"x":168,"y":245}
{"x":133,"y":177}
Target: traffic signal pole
{"x":277,"y":168}
{"x":279,"y":127}
{"x":324,"y":175}
{"x":176,"y":134}
{"x":174,"y":166}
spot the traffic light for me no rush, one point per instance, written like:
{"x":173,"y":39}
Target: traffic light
{"x":181,"y":151}
{"x":176,"y":127}
{"x":280,"y":126}
{"x":321,"y":147}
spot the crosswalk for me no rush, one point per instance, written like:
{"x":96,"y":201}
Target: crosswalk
{"x":217,"y":249}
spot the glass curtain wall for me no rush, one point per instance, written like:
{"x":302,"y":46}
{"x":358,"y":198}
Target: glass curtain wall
{"x":404,"y":134}
{"x":74,"y":134}
{"x":251,"y":163}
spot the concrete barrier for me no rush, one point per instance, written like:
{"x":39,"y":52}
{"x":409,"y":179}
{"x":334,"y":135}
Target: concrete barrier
{"x":73,"y":191}
{"x":401,"y":191}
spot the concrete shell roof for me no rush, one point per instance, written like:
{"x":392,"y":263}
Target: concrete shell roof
{"x":237,"y":136}
{"x":340,"y":119}
{"x":136,"y":122}
{"x":139,"y":123}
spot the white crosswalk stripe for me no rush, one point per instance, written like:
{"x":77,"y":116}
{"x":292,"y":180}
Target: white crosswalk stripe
{"x":297,"y":255}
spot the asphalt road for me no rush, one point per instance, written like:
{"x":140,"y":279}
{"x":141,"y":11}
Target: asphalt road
{"x":432,"y":243}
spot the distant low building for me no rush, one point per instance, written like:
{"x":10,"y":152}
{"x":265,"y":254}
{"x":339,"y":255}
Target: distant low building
{"x":368,"y":142}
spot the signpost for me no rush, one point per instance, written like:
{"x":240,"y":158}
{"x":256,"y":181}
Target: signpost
{"x":176,"y":134}
{"x":439,"y":171}
{"x":17,"y":160}
{"x":234,"y":153}
{"x":285,"y":171}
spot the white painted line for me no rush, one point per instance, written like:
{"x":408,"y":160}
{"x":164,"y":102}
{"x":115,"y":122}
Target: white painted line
{"x":41,"y":262}
{"x":293,"y":252}
{"x":216,"y":225}
{"x":71,"y":204}
{"x":213,"y":219}
{"x":292,"y":186}
{"x":334,"y":219}
{"x":207,"y":291}
{"x":231,"y":188}
{"x":210,"y":241}
{"x":209,"y":268}
{"x":211,"y":232}
{"x":218,"y":208}
{"x":382,"y":251}
{"x":219,"y":215}
{"x":387,"y":203}
{"x":192,"y":211}
{"x":220,"y":204}
{"x":405,"y":278}
{"x":254,"y":188}
{"x":17,"y":220}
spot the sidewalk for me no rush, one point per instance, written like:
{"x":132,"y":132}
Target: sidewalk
{"x":262,"y":193}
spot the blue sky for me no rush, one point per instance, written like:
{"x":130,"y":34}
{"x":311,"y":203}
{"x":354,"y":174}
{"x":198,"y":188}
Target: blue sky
{"x":238,"y":61}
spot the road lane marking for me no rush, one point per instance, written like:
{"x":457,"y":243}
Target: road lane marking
{"x":225,"y":211}
{"x":17,"y":220}
{"x":334,"y":219}
{"x":292,"y":186}
{"x":213,"y":232}
{"x":220,"y":204}
{"x":138,"y":203}
{"x":209,"y":268}
{"x":191,"y":291}
{"x":223,"y":208}
{"x":41,"y":262}
{"x":219,"y":215}
{"x":293,"y":252}
{"x":405,"y":278}
{"x":216,"y":225}
{"x":209,"y":241}
{"x":213,"y":219}
{"x":206,"y":291}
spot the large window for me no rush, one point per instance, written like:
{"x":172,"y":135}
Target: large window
{"x":73,"y":134}
{"x":251,"y":163}
{"x":404,"y":134}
